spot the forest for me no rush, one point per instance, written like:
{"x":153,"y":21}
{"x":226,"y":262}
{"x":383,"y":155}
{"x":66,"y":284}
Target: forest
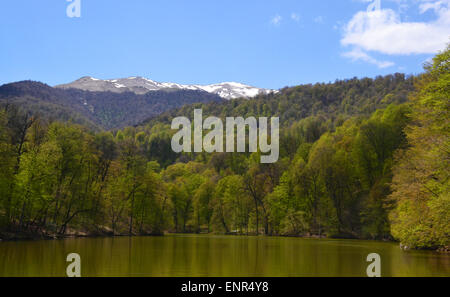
{"x":96,"y":110}
{"x":359,"y":158}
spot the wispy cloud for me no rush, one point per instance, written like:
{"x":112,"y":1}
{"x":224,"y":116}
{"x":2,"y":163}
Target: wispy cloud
{"x":357,"y":54}
{"x":295,"y":17}
{"x":276,"y":20}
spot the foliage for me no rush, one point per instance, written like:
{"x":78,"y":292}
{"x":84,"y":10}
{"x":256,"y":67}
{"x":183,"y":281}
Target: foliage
{"x":356,"y":161}
{"x":421,"y":179}
{"x":97,"y":110}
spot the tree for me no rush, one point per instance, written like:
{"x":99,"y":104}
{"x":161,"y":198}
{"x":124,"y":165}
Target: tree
{"x":421,"y":175}
{"x":204,"y":208}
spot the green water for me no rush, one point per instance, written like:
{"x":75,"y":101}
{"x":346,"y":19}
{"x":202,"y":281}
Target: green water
{"x":198,"y":255}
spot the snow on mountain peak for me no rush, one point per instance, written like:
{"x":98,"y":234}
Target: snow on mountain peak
{"x":141,"y":85}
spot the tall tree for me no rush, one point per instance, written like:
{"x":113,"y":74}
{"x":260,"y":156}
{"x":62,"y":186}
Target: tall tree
{"x":421,"y":176}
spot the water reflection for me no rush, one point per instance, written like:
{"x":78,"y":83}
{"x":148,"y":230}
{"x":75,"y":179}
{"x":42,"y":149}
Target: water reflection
{"x":192,"y":255}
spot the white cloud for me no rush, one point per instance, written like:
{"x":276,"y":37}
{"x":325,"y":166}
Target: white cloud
{"x":276,"y":20}
{"x":295,"y":17}
{"x":359,"y":55}
{"x":382,"y":31}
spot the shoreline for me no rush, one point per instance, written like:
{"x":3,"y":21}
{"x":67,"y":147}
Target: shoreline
{"x":27,"y":236}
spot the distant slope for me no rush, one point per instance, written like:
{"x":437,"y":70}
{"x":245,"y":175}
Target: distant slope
{"x":49,"y":103}
{"x":332,"y":100}
{"x":111,"y":110}
{"x":141,"y":85}
{"x":104,"y":110}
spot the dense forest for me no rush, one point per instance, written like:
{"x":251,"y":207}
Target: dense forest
{"x":360,"y":158}
{"x":96,"y":110}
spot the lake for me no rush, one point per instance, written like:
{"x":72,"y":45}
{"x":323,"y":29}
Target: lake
{"x":215,"y":256}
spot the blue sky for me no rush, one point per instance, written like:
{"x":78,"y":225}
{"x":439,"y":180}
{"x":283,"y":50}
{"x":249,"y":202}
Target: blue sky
{"x":268,"y":44}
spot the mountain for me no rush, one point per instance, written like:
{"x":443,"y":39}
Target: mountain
{"x":141,"y":85}
{"x":104,"y":109}
{"x":334,"y":101}
{"x":99,"y":109}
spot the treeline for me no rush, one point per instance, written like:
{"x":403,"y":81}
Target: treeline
{"x":60,"y":175}
{"x":334,"y":101}
{"x":374,"y":168}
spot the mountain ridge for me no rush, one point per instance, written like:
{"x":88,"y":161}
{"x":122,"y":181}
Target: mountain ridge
{"x":100,"y":109}
{"x":141,"y":85}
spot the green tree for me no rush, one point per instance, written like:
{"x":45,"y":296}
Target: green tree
{"x":421,"y":176}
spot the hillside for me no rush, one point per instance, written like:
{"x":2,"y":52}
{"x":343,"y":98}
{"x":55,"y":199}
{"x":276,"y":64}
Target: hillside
{"x":99,"y":110}
{"x":104,"y":110}
{"x":340,"y":99}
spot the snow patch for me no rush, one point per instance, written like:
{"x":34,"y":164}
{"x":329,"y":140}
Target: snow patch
{"x":226,"y":90}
